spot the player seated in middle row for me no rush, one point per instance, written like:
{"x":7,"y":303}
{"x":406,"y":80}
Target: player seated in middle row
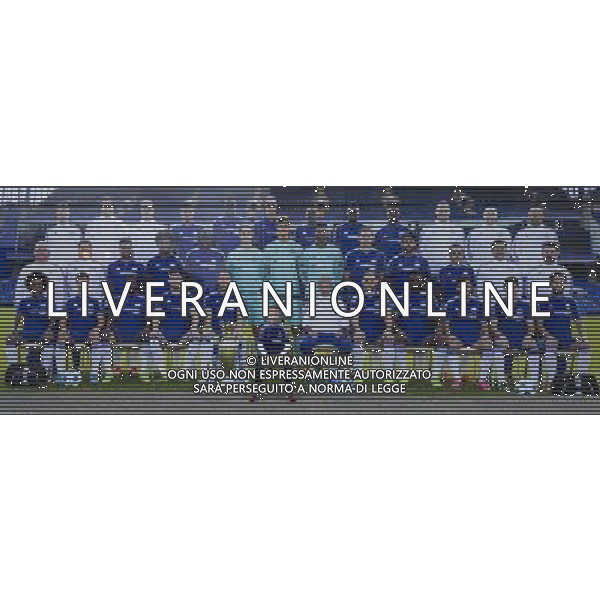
{"x":91,"y":332}
{"x":562,"y":332}
{"x":455,"y":271}
{"x":326,"y":329}
{"x":185,"y":339}
{"x":472,"y":332}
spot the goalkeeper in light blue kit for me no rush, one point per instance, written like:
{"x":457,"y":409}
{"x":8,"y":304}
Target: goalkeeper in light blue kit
{"x":283,"y":262}
{"x":247,"y":268}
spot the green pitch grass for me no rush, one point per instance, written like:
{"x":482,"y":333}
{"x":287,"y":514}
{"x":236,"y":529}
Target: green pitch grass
{"x":591,"y":328}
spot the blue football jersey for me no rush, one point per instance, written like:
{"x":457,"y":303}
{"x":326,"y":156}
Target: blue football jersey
{"x":159,"y":267}
{"x":467,"y":329}
{"x":34,"y":311}
{"x":347,"y":236}
{"x":226,"y":234}
{"x":185,"y":238}
{"x":515,"y":327}
{"x":80,"y":327}
{"x":450,"y":275}
{"x":212,"y":302}
{"x":359,"y":261}
{"x":265,"y":232}
{"x":400,"y":268}
{"x":563,"y":311}
{"x":130,"y":324}
{"x":305,"y":235}
{"x":205,"y":266}
{"x":119,"y":272}
{"x":173,"y":325}
{"x":418,"y":327}
{"x":389,"y":239}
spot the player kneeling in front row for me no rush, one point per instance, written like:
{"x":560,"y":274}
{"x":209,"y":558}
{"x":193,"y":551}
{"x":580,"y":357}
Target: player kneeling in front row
{"x":557,"y":331}
{"x":90,"y":333}
{"x":326,"y":329}
{"x":473,"y":332}
{"x":176,"y":341}
{"x":37,"y":333}
{"x":374,"y":335}
{"x":521,"y":337}
{"x":420,"y":332}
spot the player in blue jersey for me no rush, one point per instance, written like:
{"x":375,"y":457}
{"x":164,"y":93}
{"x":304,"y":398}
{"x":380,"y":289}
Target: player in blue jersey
{"x":130,"y":328}
{"x":204,"y":264}
{"x":364,"y":258}
{"x":454,"y":272}
{"x":125,"y":269}
{"x":305,"y":234}
{"x":174,"y":334}
{"x":226,"y":234}
{"x":87,"y":331}
{"x":562,"y":331}
{"x":419,"y":330}
{"x":402,"y":266}
{"x":373,"y":333}
{"x":164,"y":262}
{"x":33,"y":326}
{"x":389,"y":237}
{"x":212,"y":304}
{"x":519,"y":335}
{"x":265,"y":226}
{"x":185,"y":234}
{"x":470,"y":331}
{"x":347,"y":235}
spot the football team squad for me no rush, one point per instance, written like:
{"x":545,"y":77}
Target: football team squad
{"x":497,"y":352}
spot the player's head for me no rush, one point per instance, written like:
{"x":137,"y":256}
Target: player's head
{"x":204,"y":239}
{"x":321,"y":234}
{"x":187,"y":213}
{"x":246,"y":236}
{"x":84,"y":250}
{"x":393,"y":214}
{"x":223,"y":281}
{"x":409,"y":243}
{"x":369,"y":281}
{"x":442,"y":212}
{"x":550,"y":252}
{"x":283,"y":228}
{"x":82,"y":277}
{"x":535,"y":216}
{"x":499,"y":249}
{"x":311,"y":215}
{"x":107,"y":208}
{"x":490,"y":216}
{"x":366,"y":237}
{"x":36,"y":283}
{"x":41,"y":253}
{"x":274,"y":314}
{"x":270,"y":207}
{"x":126,"y":249}
{"x":352,"y":214}
{"x":321,"y":203}
{"x":456,"y":253}
{"x":468,"y":285}
{"x":515,"y":286}
{"x":163,"y":242}
{"x":557,"y":283}
{"x":175,"y":279}
{"x":63,"y":213}
{"x":416,"y":280}
{"x":147,"y":211}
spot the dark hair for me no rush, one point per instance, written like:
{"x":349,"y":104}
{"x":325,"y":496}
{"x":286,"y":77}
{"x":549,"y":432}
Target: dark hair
{"x":36,"y":275}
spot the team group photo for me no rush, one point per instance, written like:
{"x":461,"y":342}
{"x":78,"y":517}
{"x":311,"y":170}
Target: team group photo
{"x":408,"y":270}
